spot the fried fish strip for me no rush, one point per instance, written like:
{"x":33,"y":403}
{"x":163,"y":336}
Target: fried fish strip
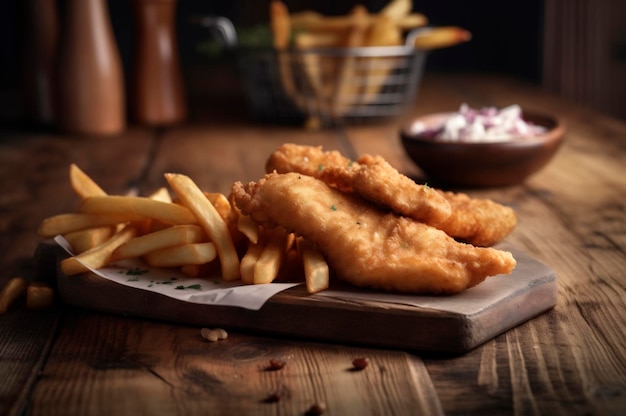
{"x":372,"y":178}
{"x":481,"y":222}
{"x":364,"y":245}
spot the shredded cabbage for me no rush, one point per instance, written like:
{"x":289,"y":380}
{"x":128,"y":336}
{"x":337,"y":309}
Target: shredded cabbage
{"x":481,"y":125}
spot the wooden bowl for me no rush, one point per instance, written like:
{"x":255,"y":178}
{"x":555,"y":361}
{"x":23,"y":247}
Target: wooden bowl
{"x":471,"y":164}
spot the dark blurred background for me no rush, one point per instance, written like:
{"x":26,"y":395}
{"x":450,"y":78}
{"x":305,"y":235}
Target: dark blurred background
{"x":576,"y":48}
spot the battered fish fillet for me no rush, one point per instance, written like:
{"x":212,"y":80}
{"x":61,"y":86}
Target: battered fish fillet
{"x":481,"y":222}
{"x":364,"y":245}
{"x":372,"y":178}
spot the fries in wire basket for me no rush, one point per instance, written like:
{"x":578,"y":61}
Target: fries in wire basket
{"x":358,"y":65}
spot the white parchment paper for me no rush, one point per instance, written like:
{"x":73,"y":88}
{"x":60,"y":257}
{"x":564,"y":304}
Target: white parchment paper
{"x":172,"y":283}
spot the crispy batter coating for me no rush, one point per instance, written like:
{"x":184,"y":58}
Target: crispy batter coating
{"x":364,"y":245}
{"x":370,"y":177}
{"x":481,"y":222}
{"x":307,"y":160}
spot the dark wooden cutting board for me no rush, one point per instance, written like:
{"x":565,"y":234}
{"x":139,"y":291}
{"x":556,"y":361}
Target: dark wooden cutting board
{"x":450,"y":324}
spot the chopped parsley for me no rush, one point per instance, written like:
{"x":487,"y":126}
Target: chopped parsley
{"x":136,"y":271}
{"x":333,"y":207}
{"x":182,"y":287}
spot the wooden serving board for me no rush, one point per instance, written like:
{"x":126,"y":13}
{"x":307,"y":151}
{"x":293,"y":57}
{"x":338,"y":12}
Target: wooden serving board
{"x":450,"y":324}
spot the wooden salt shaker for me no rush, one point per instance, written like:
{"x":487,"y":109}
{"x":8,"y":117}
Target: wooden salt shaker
{"x":90,"y":85}
{"x":157,"y":93}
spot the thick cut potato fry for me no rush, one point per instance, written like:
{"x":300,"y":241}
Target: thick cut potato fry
{"x":161,"y":194}
{"x":84,"y":240}
{"x":199,"y":253}
{"x":11,"y":292}
{"x":383,"y":32}
{"x":140,"y":207}
{"x":272,"y":256}
{"x":280,"y":24}
{"x":220,"y":202}
{"x":39,"y":295}
{"x":173,"y":236}
{"x":248,"y":227}
{"x":67,"y":223}
{"x":316,"y":23}
{"x":345,"y":90}
{"x":249,"y":260}
{"x":98,"y":256}
{"x":441,"y":37}
{"x":397,"y":9}
{"x":412,"y":21}
{"x":82,"y":184}
{"x":208,"y":217}
{"x":316,"y":271}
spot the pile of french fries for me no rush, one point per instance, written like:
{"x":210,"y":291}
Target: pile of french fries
{"x":202,"y":234}
{"x":338,"y":83}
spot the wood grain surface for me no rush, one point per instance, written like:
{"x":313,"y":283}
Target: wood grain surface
{"x":570,"y":360}
{"x":455,"y":324}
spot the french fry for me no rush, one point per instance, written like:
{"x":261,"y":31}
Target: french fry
{"x":316,"y":271}
{"x":272,"y":255}
{"x":441,"y":37}
{"x":249,"y":228}
{"x":98,"y":256}
{"x":138,"y":208}
{"x":39,"y":295}
{"x":11,"y":292}
{"x":221,"y":204}
{"x":384,"y":32}
{"x":280,"y":25}
{"x":318,"y":69}
{"x":345,"y":89}
{"x":82,"y":184}
{"x":84,"y":240}
{"x":411,"y":21}
{"x":199,"y":253}
{"x":249,"y":260}
{"x":172,"y":236}
{"x":67,"y":223}
{"x":316,"y":23}
{"x":208,"y":217}
{"x":161,"y":194}
{"x":397,"y":9}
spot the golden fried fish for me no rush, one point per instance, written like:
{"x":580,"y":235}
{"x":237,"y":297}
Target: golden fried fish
{"x":481,"y":222}
{"x":371,"y":178}
{"x":364,"y":245}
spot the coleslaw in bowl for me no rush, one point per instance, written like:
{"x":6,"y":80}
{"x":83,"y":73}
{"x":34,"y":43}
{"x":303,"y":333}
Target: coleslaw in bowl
{"x":482,"y":147}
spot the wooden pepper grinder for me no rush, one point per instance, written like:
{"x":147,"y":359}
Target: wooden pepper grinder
{"x":90,"y":86}
{"x":40,"y":47}
{"x":157,"y":93}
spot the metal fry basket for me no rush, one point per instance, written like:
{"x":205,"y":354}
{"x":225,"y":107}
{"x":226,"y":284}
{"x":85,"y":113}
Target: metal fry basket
{"x":329,"y":86}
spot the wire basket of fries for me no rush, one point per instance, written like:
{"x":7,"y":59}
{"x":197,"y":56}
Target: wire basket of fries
{"x":331,"y":70}
{"x":331,"y":86}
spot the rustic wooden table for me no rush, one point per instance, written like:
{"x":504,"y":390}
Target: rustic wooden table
{"x":569,"y":360}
